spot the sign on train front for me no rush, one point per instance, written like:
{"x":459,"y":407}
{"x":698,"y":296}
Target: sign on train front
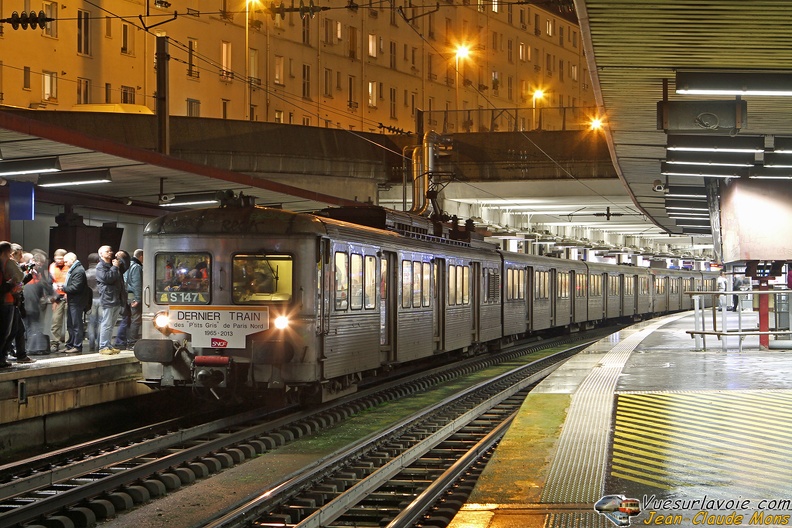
{"x":219,"y":326}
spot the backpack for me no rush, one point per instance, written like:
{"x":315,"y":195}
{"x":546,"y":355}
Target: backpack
{"x":87,"y":299}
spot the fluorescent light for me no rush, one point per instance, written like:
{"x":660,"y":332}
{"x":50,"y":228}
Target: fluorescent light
{"x":702,"y":172}
{"x":16,"y":167}
{"x":68,"y":178}
{"x":708,"y":158}
{"x":697,"y":143}
{"x":183,"y":200}
{"x":683,"y":191}
{"x":733,"y":83}
{"x":781,"y":161}
{"x":782,"y":145}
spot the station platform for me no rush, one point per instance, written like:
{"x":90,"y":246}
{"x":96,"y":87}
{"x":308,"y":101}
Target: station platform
{"x":697,"y":437}
{"x":38,"y":400}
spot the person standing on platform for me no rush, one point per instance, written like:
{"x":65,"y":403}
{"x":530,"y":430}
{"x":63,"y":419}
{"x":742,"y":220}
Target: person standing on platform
{"x":17,"y":340}
{"x":58,"y":270}
{"x":76,"y":288}
{"x":134,"y":287}
{"x":95,"y":317}
{"x":124,"y":261}
{"x":112,"y":292}
{"x":10,"y":279}
{"x":37,"y":297}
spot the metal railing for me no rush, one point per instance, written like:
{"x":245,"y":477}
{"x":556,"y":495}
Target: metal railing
{"x":743,"y":322}
{"x":513,"y":119}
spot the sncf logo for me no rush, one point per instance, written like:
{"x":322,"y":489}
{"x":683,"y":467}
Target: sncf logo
{"x":219,"y":343}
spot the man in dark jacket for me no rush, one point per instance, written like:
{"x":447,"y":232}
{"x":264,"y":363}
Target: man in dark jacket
{"x":76,"y":289}
{"x":112,"y":296}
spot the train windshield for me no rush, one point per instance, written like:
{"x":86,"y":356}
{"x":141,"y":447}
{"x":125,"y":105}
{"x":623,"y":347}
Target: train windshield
{"x":262,"y":278}
{"x":182,"y":278}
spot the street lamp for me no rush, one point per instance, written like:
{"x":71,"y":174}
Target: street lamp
{"x":462,"y":52}
{"x":538,"y":94}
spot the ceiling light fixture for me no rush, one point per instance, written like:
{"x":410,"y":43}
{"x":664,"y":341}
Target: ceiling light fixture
{"x":182,"y":200}
{"x":708,"y":158}
{"x":696,"y":143}
{"x":16,"y":167}
{"x":69,"y":178}
{"x":733,"y":83}
{"x":702,"y":172}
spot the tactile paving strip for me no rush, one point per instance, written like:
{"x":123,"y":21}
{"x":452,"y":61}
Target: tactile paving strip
{"x":577,"y":473}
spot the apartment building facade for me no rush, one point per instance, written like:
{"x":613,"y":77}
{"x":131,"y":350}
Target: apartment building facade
{"x":367,"y":67}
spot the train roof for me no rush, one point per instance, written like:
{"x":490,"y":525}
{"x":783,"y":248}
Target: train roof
{"x":233,"y":220}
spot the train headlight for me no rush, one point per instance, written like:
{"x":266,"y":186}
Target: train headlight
{"x":162,"y":322}
{"x":281,"y":322}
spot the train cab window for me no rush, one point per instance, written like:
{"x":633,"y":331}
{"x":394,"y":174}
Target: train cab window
{"x":341,"y":281}
{"x":261,"y":278}
{"x":182,"y":278}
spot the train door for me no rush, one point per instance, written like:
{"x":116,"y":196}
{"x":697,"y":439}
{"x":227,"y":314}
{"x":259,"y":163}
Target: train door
{"x":388,"y":298}
{"x":553,"y":293}
{"x":530,"y":296}
{"x":475,"y":299}
{"x":325,"y":285}
{"x":438,"y":312}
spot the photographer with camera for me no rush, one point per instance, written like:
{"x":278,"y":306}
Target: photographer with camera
{"x":11,"y":281}
{"x":17,"y":344}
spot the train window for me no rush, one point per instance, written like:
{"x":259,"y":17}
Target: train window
{"x":383,"y":279}
{"x":356,"y":282}
{"x":463,"y":281}
{"x":613,"y":285}
{"x":521,"y":284}
{"x":406,"y":300}
{"x":628,"y":285}
{"x":580,"y":285}
{"x":542,"y":285}
{"x":261,"y":278}
{"x":341,"y":281}
{"x":563,"y":285}
{"x":509,"y":283}
{"x":644,"y":285}
{"x":492,"y":291}
{"x":417,"y":283}
{"x":452,"y":285}
{"x":427,"y":284}
{"x":182,"y":278}
{"x":660,"y":284}
{"x":370,"y":278}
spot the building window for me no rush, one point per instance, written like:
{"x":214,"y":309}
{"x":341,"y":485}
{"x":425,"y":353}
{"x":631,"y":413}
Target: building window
{"x":127,"y":95}
{"x":226,"y":104}
{"x":510,"y":88}
{"x":352,"y":49}
{"x":127,"y":39}
{"x":549,"y":27}
{"x":482,"y":7}
{"x":351,"y":103}
{"x":193,"y":108}
{"x":278,"y":77}
{"x":306,"y":81}
{"x":279,"y":116}
{"x":253,"y":62}
{"x":392,"y":55}
{"x":338,"y":30}
{"x":328,"y":82}
{"x":51,"y":11}
{"x":83,"y":91}
{"x":49,"y":86}
{"x":26,"y":78}
{"x":372,"y":93}
{"x":510,"y":50}
{"x":306,"y":30}
{"x":495,"y":6}
{"x":306,"y":120}
{"x":83,"y":33}
{"x":329,"y":26}
{"x":573,"y":72}
{"x":523,"y":52}
{"x":253,"y":116}
{"x":226,"y":73}
{"x":192,"y":50}
{"x":108,"y":93}
{"x":109,"y":27}
{"x":393,"y":97}
{"x":372,"y":45}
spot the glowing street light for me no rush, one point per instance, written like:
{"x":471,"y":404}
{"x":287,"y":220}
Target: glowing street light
{"x":462,"y":52}
{"x":538,"y":94}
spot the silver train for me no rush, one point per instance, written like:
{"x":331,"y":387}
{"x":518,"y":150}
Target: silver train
{"x":303,"y":307}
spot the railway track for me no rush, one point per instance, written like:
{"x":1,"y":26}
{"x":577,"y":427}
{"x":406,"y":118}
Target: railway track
{"x":96,"y":480}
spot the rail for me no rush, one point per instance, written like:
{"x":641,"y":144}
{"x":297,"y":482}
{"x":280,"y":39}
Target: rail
{"x":746,"y":323}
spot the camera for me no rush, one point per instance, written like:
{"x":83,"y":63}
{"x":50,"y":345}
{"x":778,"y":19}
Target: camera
{"x":658,"y":186}
{"x":28,"y":266}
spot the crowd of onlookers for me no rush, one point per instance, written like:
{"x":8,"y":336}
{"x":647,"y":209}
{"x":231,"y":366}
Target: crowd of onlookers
{"x":64,"y":306}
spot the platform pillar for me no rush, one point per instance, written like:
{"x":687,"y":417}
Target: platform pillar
{"x":764,"y":315}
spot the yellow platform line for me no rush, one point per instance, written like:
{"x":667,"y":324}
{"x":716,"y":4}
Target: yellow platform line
{"x":705,"y":437}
